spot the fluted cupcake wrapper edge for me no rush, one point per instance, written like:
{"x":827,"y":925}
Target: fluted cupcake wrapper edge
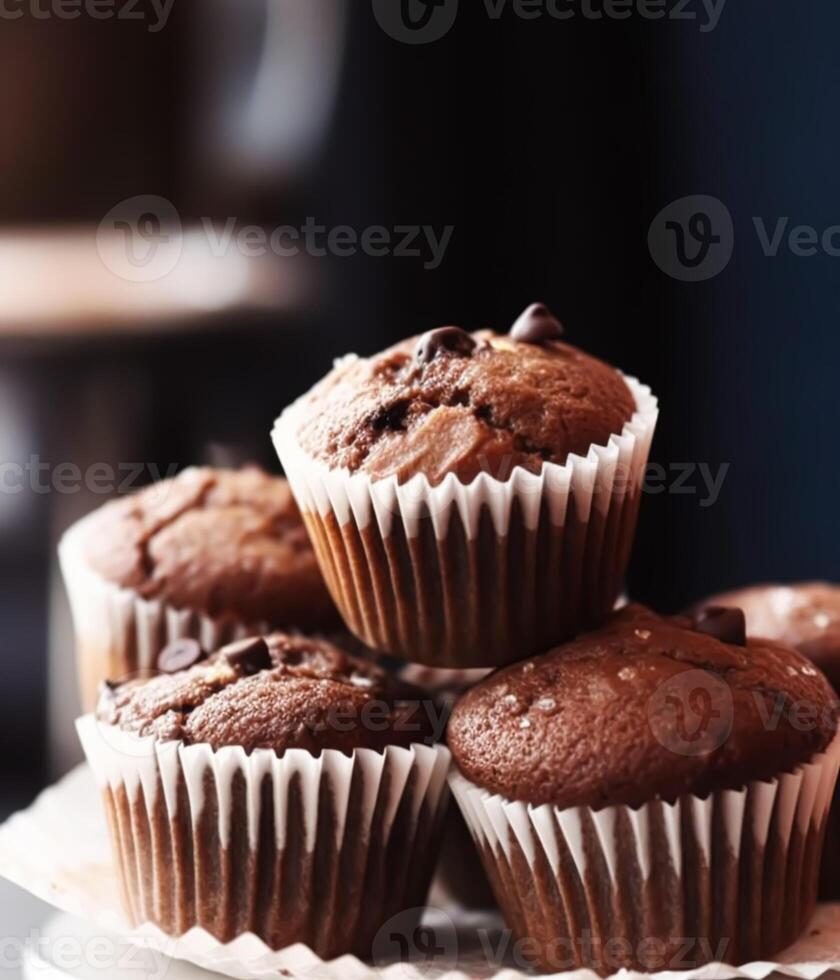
{"x":290,"y":848}
{"x":668,"y":886}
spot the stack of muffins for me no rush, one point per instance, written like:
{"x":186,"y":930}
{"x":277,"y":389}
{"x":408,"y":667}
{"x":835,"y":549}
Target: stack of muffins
{"x":641,"y":790}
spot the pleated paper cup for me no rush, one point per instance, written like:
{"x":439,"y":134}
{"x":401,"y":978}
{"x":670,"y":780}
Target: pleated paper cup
{"x":119,"y":634}
{"x":731,"y":877}
{"x":477,"y":575}
{"x":292,"y":848}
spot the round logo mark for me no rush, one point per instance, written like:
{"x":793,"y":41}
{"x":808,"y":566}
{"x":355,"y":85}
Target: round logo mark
{"x":415,"y":21}
{"x":140,"y":239}
{"x":691,"y":713}
{"x":692,"y":239}
{"x":422,"y":937}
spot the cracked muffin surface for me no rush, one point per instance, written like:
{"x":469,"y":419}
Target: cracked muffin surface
{"x":645,"y":707}
{"x":484,"y":403}
{"x":225,"y":543}
{"x":282,"y":691}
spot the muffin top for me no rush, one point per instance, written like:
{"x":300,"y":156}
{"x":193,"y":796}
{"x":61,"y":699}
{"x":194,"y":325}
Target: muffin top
{"x":644,"y":707}
{"x":283,"y":691}
{"x":226,"y":543}
{"x":805,"y":615}
{"x":454,"y":402}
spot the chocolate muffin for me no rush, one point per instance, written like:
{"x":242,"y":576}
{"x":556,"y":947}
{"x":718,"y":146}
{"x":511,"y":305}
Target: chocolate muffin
{"x":211,"y":554}
{"x":472,"y":498}
{"x":805,"y":615}
{"x":280,"y":787}
{"x":637,"y":784}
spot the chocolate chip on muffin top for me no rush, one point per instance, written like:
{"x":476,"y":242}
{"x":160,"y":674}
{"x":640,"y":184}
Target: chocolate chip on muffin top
{"x":644,"y":707}
{"x":454,"y":402}
{"x":279,"y":692}
{"x":805,"y":615}
{"x":220,"y":542}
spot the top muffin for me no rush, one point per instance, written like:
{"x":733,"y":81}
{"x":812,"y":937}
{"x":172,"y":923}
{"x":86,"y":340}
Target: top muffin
{"x":644,"y":707}
{"x":454,"y":402}
{"x":225,"y":543}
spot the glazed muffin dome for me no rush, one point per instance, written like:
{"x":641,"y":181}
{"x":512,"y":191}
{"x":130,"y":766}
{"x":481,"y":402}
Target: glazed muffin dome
{"x":453,"y":402}
{"x":225,"y":543}
{"x":279,"y":692}
{"x":805,"y":615}
{"x":611,"y":718}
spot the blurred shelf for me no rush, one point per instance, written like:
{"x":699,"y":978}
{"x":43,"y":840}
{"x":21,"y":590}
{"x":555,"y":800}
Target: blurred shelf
{"x":76,"y":283}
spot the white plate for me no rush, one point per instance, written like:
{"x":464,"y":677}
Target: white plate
{"x":67,"y":948}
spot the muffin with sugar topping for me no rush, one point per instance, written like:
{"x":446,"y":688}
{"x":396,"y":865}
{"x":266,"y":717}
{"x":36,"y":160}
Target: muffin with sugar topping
{"x":602,"y":781}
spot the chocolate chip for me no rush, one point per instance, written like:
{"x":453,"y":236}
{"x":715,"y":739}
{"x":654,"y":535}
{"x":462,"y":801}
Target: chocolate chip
{"x":453,"y":340}
{"x":250,"y":656}
{"x":536,"y":325}
{"x":391,"y":417}
{"x":726,"y":625}
{"x":180,"y":655}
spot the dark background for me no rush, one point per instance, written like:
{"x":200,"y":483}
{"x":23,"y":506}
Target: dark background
{"x":549,"y":146}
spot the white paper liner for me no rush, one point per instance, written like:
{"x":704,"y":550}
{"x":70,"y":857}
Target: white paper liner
{"x":58,"y":850}
{"x":119,"y":634}
{"x":474,"y":575}
{"x":613,"y":871}
{"x":291,"y":847}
